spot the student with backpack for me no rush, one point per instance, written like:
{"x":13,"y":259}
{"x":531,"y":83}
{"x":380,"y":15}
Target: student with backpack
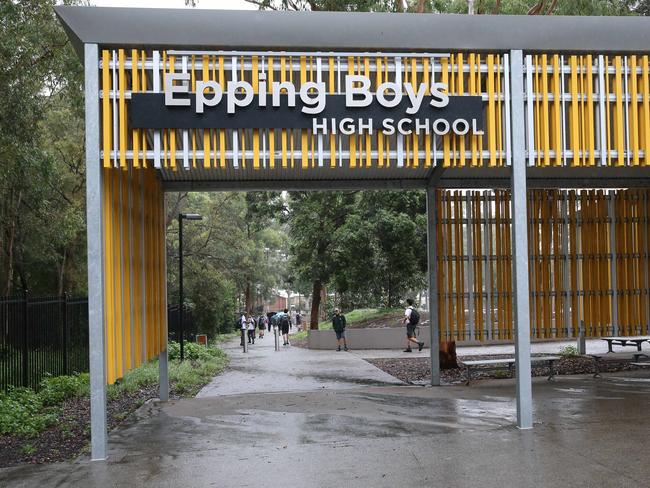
{"x":262,"y":322}
{"x":251,"y":328}
{"x":284,"y":322}
{"x":338,"y":324}
{"x":411,"y":320}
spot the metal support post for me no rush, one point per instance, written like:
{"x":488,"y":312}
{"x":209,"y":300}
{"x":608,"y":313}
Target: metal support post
{"x":520,"y":245}
{"x":611,"y":210}
{"x":432,"y":262}
{"x":163,"y":372}
{"x":181,"y":332}
{"x":66,"y":335}
{"x":276,"y":338}
{"x":94,"y":216}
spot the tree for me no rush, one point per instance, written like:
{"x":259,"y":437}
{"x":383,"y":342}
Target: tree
{"x":41,"y":152}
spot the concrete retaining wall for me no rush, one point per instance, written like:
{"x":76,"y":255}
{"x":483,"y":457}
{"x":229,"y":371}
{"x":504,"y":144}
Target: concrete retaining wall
{"x":386,"y":338}
{"x":390,"y":338}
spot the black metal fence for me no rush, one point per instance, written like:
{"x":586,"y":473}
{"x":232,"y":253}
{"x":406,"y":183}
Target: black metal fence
{"x":42,"y":335}
{"x":49,"y":336}
{"x":189,"y":324}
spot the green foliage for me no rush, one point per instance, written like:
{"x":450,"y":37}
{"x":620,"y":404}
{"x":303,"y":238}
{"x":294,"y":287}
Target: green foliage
{"x":192,"y":351}
{"x":21,"y":413}
{"x":569,"y":352}
{"x":55,"y":389}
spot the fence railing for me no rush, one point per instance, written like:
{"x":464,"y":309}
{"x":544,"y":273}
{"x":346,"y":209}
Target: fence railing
{"x":40,"y":336}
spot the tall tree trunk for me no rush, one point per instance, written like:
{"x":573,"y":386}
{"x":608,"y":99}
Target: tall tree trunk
{"x":248,"y":295}
{"x":9,"y":250}
{"x":61,"y":287}
{"x":315,"y":304}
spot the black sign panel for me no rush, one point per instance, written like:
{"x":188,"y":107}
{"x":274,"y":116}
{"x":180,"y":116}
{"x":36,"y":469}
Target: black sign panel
{"x":148,"y":111}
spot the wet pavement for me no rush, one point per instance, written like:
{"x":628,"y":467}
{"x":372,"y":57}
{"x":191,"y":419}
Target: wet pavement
{"x":588,"y":433}
{"x":263,"y":370}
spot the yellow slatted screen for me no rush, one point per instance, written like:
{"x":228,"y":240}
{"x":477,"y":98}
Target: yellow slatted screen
{"x":570,"y":263}
{"x":134,"y":263}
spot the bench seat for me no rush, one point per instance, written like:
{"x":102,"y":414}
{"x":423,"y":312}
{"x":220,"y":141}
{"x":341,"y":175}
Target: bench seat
{"x":509,"y":362}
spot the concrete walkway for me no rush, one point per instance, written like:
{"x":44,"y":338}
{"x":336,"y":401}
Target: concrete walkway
{"x":264,"y":370}
{"x":299,"y":418}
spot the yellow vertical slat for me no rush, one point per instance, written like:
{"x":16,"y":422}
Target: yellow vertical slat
{"x":107,"y":124}
{"x":446,"y":146}
{"x":556,"y":112}
{"x":205,"y":76}
{"x":591,"y":121}
{"x":634,"y":110}
{"x":367,"y":136}
{"x":332,"y":91}
{"x":460,"y":90}
{"x":619,"y":126}
{"x":122,"y":107}
{"x":109,"y":279}
{"x":304,"y":143}
{"x":645,"y":117}
{"x":380,"y":135}
{"x":143,"y":88}
{"x":283,"y":136}
{"x":574,"y":115}
{"x":291,"y":135}
{"x":135,"y":87}
{"x":270,"y":80}
{"x":172,"y":132}
{"x":545,"y":142}
{"x":499,"y":112}
{"x":222,"y":132}
{"x":491,"y":115}
{"x":426,"y":79}
{"x":137,"y":271}
{"x":256,"y":132}
{"x":193,"y":88}
{"x":353,"y":137}
{"x":472,"y":91}
{"x":118,"y":208}
{"x":126,"y":257}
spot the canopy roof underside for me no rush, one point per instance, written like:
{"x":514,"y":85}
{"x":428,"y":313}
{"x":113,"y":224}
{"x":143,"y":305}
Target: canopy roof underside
{"x":326,"y":31}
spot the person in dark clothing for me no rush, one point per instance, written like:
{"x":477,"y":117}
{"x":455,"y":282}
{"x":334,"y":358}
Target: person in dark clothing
{"x":338,"y":324}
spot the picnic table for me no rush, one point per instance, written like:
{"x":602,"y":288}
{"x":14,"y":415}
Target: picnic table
{"x":509,"y":362}
{"x":623,"y":341}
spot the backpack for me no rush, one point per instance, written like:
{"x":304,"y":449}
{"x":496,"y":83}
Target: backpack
{"x":284,"y":321}
{"x":414,"y":318}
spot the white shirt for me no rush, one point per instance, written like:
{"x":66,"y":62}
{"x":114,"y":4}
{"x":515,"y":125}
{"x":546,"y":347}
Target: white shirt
{"x":251,"y":323}
{"x":242,"y":320}
{"x":407,"y":314}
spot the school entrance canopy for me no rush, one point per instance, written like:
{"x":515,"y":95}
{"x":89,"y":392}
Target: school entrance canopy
{"x":491,"y":105}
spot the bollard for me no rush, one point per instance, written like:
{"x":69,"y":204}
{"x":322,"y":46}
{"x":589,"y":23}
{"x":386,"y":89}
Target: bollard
{"x":582,"y":345}
{"x":276,"y":337}
{"x":243,"y":340}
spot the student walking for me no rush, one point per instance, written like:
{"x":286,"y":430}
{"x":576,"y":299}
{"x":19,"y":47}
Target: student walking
{"x":284,"y":322}
{"x":251,"y":328}
{"x":338,"y":324}
{"x":411,"y":320}
{"x":262,"y":322}
{"x":243,"y":324}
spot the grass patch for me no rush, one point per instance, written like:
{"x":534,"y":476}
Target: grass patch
{"x":359,"y":315}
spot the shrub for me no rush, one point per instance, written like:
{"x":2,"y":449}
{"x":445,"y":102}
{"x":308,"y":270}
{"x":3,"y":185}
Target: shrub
{"x":192,"y":351}
{"x":21,"y":413}
{"x":56,"y":389}
{"x":569,"y":352}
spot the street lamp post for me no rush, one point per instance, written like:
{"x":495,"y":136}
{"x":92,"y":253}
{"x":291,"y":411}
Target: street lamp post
{"x":182,"y":217}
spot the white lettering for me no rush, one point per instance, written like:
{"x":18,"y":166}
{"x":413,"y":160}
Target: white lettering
{"x":277,"y":89}
{"x":352,"y":92}
{"x":316,"y":127}
{"x":396,"y":92}
{"x":313,"y":104}
{"x":422,"y":126}
{"x":201,"y":100}
{"x":456,"y":127}
{"x":439,"y":95}
{"x":170,"y":89}
{"x":445,"y":126}
{"x":388,"y":127}
{"x":401,"y":124}
{"x":475,"y":130}
{"x":365,"y":126}
{"x":233,"y":101}
{"x":415,"y":98}
{"x":347,"y":126}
